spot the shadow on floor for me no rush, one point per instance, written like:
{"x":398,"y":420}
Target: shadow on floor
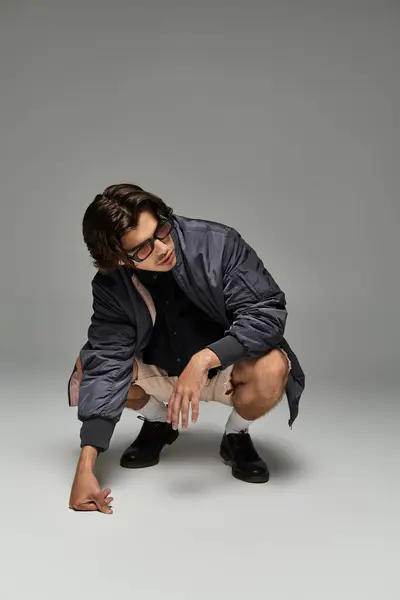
{"x":200,"y":448}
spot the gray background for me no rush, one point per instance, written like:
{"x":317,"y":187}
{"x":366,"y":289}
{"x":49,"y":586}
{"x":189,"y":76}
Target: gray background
{"x":281,"y":119}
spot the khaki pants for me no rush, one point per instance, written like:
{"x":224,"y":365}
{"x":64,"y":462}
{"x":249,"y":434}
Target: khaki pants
{"x":155,"y":382}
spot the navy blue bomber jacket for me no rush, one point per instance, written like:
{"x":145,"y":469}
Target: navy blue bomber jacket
{"x":218,"y":270}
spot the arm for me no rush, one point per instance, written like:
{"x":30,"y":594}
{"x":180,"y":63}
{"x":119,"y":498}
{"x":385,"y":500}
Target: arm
{"x":257,"y":306}
{"x":255,"y":301}
{"x":107,"y":364}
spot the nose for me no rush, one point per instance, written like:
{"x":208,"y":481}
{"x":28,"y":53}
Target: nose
{"x":160,"y":247}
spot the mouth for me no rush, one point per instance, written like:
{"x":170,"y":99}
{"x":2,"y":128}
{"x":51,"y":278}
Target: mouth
{"x":168,"y":259}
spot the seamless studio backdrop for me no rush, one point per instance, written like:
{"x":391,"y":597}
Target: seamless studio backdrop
{"x":280,"y":119}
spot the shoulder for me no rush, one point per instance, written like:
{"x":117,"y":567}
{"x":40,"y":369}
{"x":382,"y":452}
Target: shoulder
{"x":110,"y":284}
{"x":201,"y":237}
{"x":206,"y":230}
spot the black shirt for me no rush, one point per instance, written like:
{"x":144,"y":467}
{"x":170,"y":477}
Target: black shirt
{"x":181,"y":328}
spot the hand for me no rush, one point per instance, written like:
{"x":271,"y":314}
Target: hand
{"x":86,"y":493}
{"x":188,"y":388}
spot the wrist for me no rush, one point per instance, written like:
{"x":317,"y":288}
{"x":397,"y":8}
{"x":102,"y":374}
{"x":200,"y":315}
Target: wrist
{"x":208,"y":359}
{"x":87,"y":458}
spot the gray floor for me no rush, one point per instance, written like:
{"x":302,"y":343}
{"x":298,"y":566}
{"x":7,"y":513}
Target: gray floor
{"x":325,"y":527}
{"x":285,"y":112}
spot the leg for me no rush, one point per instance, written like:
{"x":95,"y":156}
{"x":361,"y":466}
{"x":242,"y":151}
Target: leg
{"x":155,"y":432}
{"x":148,"y":384}
{"x":137,"y":397}
{"x":259,"y":384}
{"x":140,"y":400}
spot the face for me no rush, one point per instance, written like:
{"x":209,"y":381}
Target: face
{"x":163,"y":256}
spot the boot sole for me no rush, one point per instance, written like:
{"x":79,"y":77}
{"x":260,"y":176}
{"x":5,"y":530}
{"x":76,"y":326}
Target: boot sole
{"x":149,"y":463}
{"x":241,"y":476}
{"x":139,"y":465}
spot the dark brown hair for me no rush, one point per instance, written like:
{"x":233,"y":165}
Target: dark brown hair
{"x":112,"y":214}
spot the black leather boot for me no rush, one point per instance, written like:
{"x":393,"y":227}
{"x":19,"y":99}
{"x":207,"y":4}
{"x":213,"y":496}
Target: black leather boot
{"x":237,"y":451}
{"x":145,"y":450}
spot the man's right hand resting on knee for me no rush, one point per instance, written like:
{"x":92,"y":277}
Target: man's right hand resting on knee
{"x":86,"y":493}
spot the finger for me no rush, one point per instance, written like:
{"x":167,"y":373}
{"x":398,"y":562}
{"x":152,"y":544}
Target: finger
{"x":109,"y":500}
{"x":185,"y":410}
{"x":195,"y":405}
{"x":106,"y":492}
{"x":102,"y":505}
{"x":176,"y":410}
{"x":84,"y":506}
{"x":90,"y":506}
{"x":169,"y":407}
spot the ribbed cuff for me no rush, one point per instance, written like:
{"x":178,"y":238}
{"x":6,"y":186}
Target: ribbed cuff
{"x":228,"y":350}
{"x":97,"y":432}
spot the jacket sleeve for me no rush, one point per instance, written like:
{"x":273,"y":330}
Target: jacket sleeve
{"x":254,"y":301}
{"x":107,"y":365}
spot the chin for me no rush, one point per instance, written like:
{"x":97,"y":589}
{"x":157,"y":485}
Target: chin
{"x":167,"y":267}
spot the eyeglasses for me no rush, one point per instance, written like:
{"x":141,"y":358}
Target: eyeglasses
{"x":146,"y":248}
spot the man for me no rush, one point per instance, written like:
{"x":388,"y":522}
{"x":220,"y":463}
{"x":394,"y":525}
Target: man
{"x":183,"y":311}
